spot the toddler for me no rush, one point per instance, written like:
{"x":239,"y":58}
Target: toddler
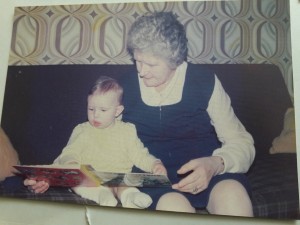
{"x":108,"y":144}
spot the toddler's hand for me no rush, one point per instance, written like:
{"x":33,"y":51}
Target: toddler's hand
{"x":159,"y":168}
{"x":36,"y":186}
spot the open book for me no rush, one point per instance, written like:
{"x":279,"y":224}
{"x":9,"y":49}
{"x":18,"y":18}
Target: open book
{"x":73,"y":175}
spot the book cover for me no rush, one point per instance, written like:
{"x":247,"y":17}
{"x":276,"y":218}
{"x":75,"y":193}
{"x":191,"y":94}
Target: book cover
{"x":60,"y":175}
{"x":84,"y":175}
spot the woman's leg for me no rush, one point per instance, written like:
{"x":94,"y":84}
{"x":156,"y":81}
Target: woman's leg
{"x":229,"y":197}
{"x":174,"y":202}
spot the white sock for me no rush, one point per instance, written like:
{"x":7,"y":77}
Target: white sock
{"x":101,"y":195}
{"x":133,"y":198}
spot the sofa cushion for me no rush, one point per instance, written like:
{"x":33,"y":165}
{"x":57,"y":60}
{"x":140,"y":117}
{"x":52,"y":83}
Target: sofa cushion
{"x":274,"y":183}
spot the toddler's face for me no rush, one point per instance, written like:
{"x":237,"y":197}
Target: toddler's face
{"x":102,"y":109}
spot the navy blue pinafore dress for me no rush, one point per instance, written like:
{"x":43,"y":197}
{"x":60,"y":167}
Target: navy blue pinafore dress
{"x":177,"y":133}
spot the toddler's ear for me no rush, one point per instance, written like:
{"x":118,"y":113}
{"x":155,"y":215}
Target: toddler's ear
{"x":119,"y":110}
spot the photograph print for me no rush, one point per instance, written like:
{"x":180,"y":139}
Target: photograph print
{"x":199,"y":91}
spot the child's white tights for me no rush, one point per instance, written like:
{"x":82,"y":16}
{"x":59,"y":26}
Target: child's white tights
{"x":130,"y":197}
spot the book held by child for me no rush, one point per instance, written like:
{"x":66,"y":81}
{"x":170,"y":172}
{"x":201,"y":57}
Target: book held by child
{"x":72,"y":175}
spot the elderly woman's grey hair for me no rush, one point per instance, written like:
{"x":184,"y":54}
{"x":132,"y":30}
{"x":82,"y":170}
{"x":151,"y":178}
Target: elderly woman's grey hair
{"x":160,"y":33}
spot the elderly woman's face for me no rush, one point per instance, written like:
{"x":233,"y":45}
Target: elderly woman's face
{"x":154,"y":70}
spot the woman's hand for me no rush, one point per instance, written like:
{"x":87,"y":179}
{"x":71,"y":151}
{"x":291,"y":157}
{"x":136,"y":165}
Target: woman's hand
{"x":36,"y":186}
{"x":202,"y":170}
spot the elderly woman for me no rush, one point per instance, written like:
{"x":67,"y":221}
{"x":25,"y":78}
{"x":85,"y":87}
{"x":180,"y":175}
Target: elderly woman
{"x":183,"y":115}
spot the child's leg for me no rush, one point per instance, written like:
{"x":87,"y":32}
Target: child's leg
{"x":131,"y":197}
{"x":102,"y":195}
{"x":106,"y":197}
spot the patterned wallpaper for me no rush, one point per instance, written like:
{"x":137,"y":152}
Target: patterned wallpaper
{"x":239,"y":31}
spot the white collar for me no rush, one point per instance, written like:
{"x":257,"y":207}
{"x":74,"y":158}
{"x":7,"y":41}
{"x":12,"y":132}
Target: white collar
{"x":172,"y":94}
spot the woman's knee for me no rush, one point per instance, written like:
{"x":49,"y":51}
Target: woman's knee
{"x":229,"y":197}
{"x":174,"y":202}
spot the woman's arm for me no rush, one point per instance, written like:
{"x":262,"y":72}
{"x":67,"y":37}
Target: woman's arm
{"x":237,"y":149}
